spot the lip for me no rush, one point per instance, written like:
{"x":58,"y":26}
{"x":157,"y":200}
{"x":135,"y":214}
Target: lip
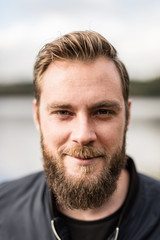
{"x":83,"y":161}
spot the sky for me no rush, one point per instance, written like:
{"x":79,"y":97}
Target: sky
{"x":132,"y":26}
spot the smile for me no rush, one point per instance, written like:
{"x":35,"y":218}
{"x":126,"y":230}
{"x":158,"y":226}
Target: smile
{"x":82,"y":160}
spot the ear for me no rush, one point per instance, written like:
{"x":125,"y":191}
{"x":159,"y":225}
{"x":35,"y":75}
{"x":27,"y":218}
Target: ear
{"x":129,"y":112}
{"x":36,"y":114}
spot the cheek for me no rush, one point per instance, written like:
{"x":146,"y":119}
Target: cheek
{"x":54,"y":135}
{"x":111,"y":135}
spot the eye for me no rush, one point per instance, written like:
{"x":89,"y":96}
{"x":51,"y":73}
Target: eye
{"x":103,"y":112}
{"x":63,"y":112}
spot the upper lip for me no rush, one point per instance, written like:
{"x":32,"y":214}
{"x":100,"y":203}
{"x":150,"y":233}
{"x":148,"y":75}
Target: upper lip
{"x":85,"y":158}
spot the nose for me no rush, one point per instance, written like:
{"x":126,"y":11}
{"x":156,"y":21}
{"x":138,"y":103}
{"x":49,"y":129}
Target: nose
{"x":83,"y":131}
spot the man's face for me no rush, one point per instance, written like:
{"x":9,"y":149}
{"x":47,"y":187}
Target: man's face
{"x":82,"y":121}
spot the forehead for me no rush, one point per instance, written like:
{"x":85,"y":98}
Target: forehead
{"x":92,"y":79}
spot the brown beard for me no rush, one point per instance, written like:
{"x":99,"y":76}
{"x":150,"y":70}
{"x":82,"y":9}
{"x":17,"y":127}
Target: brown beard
{"x":88,"y":191}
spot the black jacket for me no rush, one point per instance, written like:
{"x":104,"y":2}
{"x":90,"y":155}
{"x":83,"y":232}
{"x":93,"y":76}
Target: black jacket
{"x":25,"y":211}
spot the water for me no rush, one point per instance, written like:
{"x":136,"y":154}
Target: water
{"x":19,"y":142}
{"x":143,"y":142}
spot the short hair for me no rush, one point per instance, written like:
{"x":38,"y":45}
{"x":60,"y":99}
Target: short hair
{"x":83,"y":46}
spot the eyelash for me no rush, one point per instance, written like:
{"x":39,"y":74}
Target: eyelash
{"x":62,"y":113}
{"x":104,"y":112}
{"x":65,"y":114}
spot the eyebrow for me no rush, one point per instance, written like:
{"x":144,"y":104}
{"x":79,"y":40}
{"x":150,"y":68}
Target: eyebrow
{"x":102,"y":104}
{"x":59,"y":106}
{"x":107,"y":104}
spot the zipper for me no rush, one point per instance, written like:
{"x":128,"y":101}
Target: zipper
{"x":117,"y":232}
{"x":114,"y":235}
{"x":54,"y":230}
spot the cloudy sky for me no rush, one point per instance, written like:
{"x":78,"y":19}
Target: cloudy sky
{"x":132,"y":26}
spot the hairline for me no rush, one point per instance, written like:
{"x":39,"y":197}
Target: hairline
{"x":80,"y":61}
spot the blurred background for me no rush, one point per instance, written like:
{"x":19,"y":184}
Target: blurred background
{"x":132,"y":26}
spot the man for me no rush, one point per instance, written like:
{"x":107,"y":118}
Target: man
{"x":90,"y":189}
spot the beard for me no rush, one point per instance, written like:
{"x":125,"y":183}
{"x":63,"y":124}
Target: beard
{"x":88,"y":190}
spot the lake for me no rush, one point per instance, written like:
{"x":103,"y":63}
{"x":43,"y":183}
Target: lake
{"x":19,"y":142}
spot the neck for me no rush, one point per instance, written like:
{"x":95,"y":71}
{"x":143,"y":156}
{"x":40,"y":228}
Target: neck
{"x":108,"y":208}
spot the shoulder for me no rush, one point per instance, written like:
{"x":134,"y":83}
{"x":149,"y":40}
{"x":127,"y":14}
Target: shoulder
{"x":149,"y":188}
{"x":147,"y":204}
{"x":24,"y":208}
{"x":143,"y":220}
{"x":14,"y":192}
{"x":21,"y":184}
{"x":148,"y":197}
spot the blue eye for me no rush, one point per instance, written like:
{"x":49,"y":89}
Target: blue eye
{"x":63,"y":112}
{"x":103,"y":112}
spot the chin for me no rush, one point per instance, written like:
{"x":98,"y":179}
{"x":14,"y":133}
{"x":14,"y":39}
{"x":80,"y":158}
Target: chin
{"x":83,"y":173}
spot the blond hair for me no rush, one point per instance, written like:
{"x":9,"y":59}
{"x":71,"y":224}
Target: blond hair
{"x":83,"y":46}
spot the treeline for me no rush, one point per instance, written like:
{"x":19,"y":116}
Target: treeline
{"x":22,"y":89}
{"x":146,"y":89}
{"x":137,"y":88}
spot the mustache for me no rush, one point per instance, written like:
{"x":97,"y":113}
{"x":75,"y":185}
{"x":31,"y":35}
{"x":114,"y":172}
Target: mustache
{"x":83,"y":152}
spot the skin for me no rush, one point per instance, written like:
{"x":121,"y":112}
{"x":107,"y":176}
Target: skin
{"x":81,"y":103}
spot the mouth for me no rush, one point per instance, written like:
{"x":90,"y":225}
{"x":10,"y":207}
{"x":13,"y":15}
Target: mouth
{"x":81,"y":160}
{"x":86,"y":158}
{"x":82,"y":157}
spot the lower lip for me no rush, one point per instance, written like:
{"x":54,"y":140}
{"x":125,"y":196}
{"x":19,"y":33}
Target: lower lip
{"x":83,"y":162}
